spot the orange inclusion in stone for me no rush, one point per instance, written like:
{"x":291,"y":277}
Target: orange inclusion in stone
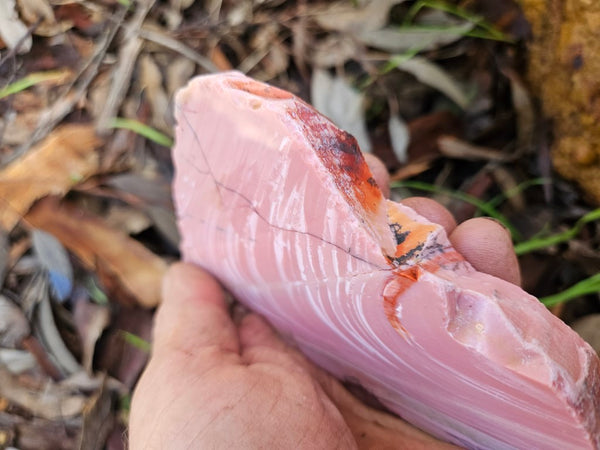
{"x":259,"y":89}
{"x":415,"y":233}
{"x":341,"y":156}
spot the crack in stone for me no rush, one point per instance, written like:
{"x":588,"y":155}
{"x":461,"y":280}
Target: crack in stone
{"x":219,"y":185}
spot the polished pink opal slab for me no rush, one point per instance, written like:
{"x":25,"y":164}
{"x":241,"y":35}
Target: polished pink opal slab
{"x":280,"y":206}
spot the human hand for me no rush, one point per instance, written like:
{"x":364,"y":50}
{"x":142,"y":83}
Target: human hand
{"x":213,"y":383}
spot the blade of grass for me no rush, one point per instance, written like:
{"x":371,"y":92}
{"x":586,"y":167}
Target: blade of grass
{"x":497,"y":200}
{"x":488,"y":31}
{"x":136,"y":341}
{"x":31,"y":80}
{"x":590,"y":285}
{"x":483,"y":206}
{"x":95,"y":292}
{"x":141,"y":129}
{"x":558,"y":238}
{"x":390,"y":65}
{"x":399,"y":58}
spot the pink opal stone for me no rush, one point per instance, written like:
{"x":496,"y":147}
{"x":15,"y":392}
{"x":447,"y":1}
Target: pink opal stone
{"x":279,"y":205}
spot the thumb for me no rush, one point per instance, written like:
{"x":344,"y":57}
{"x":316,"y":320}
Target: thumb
{"x":193,"y":315}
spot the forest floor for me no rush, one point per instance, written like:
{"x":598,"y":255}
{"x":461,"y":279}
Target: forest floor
{"x":87,"y":229}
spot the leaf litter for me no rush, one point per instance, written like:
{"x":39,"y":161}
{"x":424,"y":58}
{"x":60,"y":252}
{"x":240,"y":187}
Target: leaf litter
{"x":437,"y":90}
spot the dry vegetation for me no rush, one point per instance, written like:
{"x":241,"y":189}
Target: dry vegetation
{"x":437,"y":90}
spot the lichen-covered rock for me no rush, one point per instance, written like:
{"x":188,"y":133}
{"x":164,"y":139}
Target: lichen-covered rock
{"x":564,"y":64}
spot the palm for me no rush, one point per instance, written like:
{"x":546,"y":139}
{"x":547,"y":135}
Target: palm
{"x":263,"y":396}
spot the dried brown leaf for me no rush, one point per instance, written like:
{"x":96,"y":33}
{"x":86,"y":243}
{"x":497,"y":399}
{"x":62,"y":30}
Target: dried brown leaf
{"x":122,"y":71}
{"x":410,"y":170}
{"x":352,"y":18}
{"x":178,"y":74}
{"x":399,"y":137}
{"x":337,"y":99}
{"x":34,"y":10}
{"x":334,"y":50}
{"x":17,"y":361}
{"x":396,"y":40}
{"x":12,"y":31}
{"x":523,"y":105}
{"x":454,"y":147}
{"x":40,"y":434}
{"x":52,"y":402}
{"x":431,"y":74}
{"x":136,"y":271}
{"x":60,"y":161}
{"x":98,"y":420}
{"x":13,"y":324}
{"x":151,"y":82}
{"x":90,"y":319}
{"x":127,"y":219}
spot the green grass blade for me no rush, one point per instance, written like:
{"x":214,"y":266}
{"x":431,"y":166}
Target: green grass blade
{"x":95,"y":293}
{"x":483,"y":206}
{"x":31,"y":80}
{"x":497,"y":200}
{"x":590,"y":285}
{"x":136,"y":341}
{"x":399,"y":58}
{"x":141,"y":129}
{"x":486,"y":29}
{"x":538,"y":243}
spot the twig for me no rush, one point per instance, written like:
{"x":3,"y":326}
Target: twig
{"x":124,"y":68}
{"x":179,"y":47}
{"x":16,"y":48}
{"x":76,"y":90}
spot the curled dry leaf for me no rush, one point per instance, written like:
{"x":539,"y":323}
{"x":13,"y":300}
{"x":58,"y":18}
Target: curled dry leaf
{"x":454,"y":147}
{"x":67,"y":156}
{"x":34,"y":10}
{"x":12,"y":31}
{"x":178,"y":73}
{"x":135,"y":271}
{"x":91,"y":319}
{"x":46,"y":329}
{"x":127,"y":219}
{"x":53,"y":257}
{"x":19,"y":126}
{"x":28,"y":106}
{"x":396,"y":40}
{"x":399,"y":137}
{"x":334,"y":50}
{"x":433,"y":75}
{"x":13,"y":324}
{"x":336,"y":99}
{"x":17,"y":361}
{"x":347,"y":16}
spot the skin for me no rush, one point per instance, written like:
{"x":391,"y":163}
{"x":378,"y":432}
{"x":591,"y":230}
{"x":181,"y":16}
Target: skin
{"x":216,"y":382}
